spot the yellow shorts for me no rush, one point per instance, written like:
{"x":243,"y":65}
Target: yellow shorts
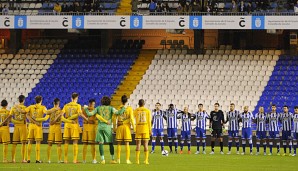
{"x":142,"y":136}
{"x":35,"y":132}
{"x":89,"y":132}
{"x":4,"y":135}
{"x":71,"y":132}
{"x":19,"y":134}
{"x":123,"y":133}
{"x":55,"y":134}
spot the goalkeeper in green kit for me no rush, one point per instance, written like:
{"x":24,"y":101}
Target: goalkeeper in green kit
{"x":104,"y":132}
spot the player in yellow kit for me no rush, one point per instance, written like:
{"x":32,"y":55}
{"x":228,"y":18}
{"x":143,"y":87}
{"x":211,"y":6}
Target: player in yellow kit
{"x":143,"y":130}
{"x":4,"y":129}
{"x":89,"y":131}
{"x":122,"y":125}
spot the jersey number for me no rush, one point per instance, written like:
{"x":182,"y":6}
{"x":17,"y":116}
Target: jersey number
{"x":142,"y":118}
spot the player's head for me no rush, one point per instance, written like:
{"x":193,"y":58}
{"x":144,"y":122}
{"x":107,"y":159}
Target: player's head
{"x":286,"y":109}
{"x":261,"y":109}
{"x":200,"y":107}
{"x":92,"y":103}
{"x":232,"y":107}
{"x":74,"y":97}
{"x":171,"y":106}
{"x":38,"y":99}
{"x":141,"y":102}
{"x":245,"y":108}
{"x":105,"y":101}
{"x":185,"y":109}
{"x":124,"y":99}
{"x":56,"y":102}
{"x":296,"y":109}
{"x":157,"y":106}
{"x":216,"y":106}
{"x":273,"y":108}
{"x":4,"y":103}
{"x":21,"y":98}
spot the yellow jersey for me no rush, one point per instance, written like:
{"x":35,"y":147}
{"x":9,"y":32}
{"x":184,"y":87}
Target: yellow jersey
{"x":18,"y":117}
{"x":36,"y":111}
{"x":143,"y":120}
{"x":90,"y":118}
{"x":4,"y":113}
{"x":54,"y":115}
{"x":72,"y":110}
{"x":126,"y":118}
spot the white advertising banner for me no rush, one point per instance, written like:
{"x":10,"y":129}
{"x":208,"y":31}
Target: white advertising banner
{"x":226,"y":22}
{"x":281,"y":22}
{"x":165,"y":22}
{"x":106,"y":22}
{"x":6,"y":22}
{"x":49,"y":22}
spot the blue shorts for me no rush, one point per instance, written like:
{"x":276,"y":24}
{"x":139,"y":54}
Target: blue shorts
{"x":261,"y":135}
{"x":233,"y":134}
{"x":286,"y":135}
{"x":273,"y":135}
{"x":172,"y":132}
{"x":246,"y":133}
{"x":201,"y":133}
{"x":295,"y":136}
{"x":157,"y":132}
{"x":185,"y":135}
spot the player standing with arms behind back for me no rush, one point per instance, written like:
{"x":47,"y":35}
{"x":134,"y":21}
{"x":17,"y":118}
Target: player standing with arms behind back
{"x":273,"y":118}
{"x":201,"y":118}
{"x":246,"y":119}
{"x":143,"y":130}
{"x":157,"y":126}
{"x":261,"y":134}
{"x":4,"y":129}
{"x":286,"y":120}
{"x":233,"y":117}
{"x":216,"y":125}
{"x":295,"y":130}
{"x":186,"y":129}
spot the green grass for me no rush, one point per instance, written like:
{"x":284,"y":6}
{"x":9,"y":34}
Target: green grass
{"x":158,"y":162}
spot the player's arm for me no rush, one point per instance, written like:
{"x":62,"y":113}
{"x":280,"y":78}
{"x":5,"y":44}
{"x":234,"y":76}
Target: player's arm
{"x":6,"y":120}
{"x":210,"y":121}
{"x":84,"y":117}
{"x":31,"y":119}
{"x":114,"y":120}
{"x":99,"y":117}
{"x":149,"y":122}
{"x":132,"y":120}
{"x":118,"y":112}
{"x":192,"y":116}
{"x":227,"y":118}
{"x":42,"y":119}
{"x":165,"y":115}
{"x":51,"y":111}
{"x":222,"y":118}
{"x":95,"y":111}
{"x":20,"y":110}
{"x":255,"y":119}
{"x":56,"y":119}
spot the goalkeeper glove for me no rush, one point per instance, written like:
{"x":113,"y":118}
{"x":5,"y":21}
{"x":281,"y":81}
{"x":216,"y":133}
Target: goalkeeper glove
{"x":211,"y":130}
{"x":224,"y":130}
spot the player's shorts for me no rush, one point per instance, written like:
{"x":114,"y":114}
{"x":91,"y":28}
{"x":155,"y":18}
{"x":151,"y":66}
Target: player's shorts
{"x":157,"y":132}
{"x":104,"y":135}
{"x":273,"y":135}
{"x":4,"y":135}
{"x":233,"y":134}
{"x":55,"y":134}
{"x":172,"y":132}
{"x":142,"y":136}
{"x":295,"y":136}
{"x":246,"y":133}
{"x":261,"y":135}
{"x":123,"y":133}
{"x":19,"y":134}
{"x":201,"y":133}
{"x":216,"y":133}
{"x":185,"y":135}
{"x":286,"y":135}
{"x":35,"y":132}
{"x":89,"y":133}
{"x":71,"y":132}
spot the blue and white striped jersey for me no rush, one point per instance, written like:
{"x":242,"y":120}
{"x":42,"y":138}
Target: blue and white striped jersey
{"x":261,"y":120}
{"x":157,"y":119}
{"x":295,"y":120}
{"x":201,"y":119}
{"x":246,"y":119}
{"x":273,"y":121}
{"x":186,"y":122}
{"x":286,"y":121}
{"x":233,"y":119}
{"x":171,"y":117}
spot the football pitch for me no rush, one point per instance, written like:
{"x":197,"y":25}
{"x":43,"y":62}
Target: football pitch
{"x":157,"y":161}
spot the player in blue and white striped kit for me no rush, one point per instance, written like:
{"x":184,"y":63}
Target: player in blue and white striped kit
{"x":186,"y":118}
{"x":273,"y":118}
{"x":233,"y":117}
{"x":295,"y":129}
{"x":171,"y":115}
{"x":286,"y":121}
{"x":157,"y":126}
{"x":201,"y":118}
{"x":261,"y":135}
{"x":246,"y":119}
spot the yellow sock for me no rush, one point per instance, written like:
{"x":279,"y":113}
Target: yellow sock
{"x":37,"y":151}
{"x":13,"y":152}
{"x":75,"y":152}
{"x":65,"y":152}
{"x":93,"y":151}
{"x":23,"y":151}
{"x":59,"y":152}
{"x":5,"y":151}
{"x":127,"y":152}
{"x":29,"y":147}
{"x":137,"y":157}
{"x":49,"y":153}
{"x":146,"y":156}
{"x":84,"y":151}
{"x":118,"y":151}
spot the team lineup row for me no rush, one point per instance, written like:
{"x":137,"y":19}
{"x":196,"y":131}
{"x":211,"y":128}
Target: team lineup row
{"x":100,"y":123}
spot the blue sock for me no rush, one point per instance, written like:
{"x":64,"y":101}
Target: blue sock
{"x":188,"y":145}
{"x":198,"y":145}
{"x":170,"y":144}
{"x":258,"y":147}
{"x":162,"y":145}
{"x":250,"y":147}
{"x":153,"y":145}
{"x":204,"y":144}
{"x":264,"y":146}
{"x":230,"y":145}
{"x":243,"y":145}
{"x":285,"y":148}
{"x":237,"y":145}
{"x":181,"y":145}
